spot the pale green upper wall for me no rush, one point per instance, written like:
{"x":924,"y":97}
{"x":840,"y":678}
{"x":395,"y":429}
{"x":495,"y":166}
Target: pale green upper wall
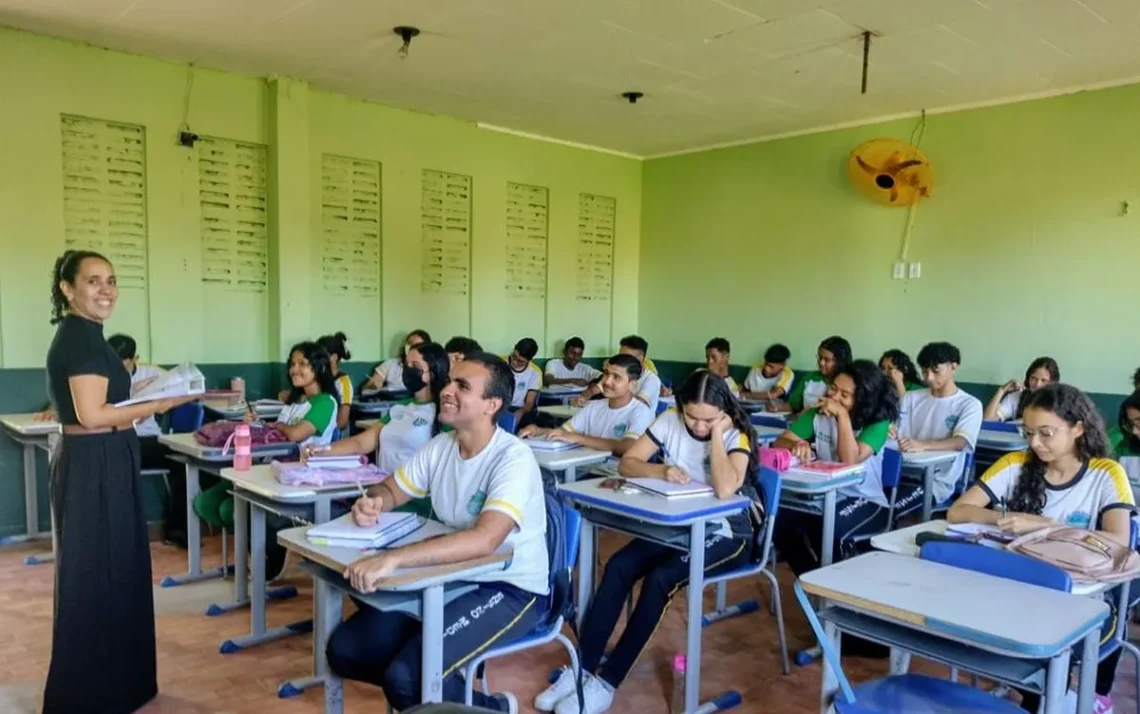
{"x":186,"y":320}
{"x":1024,"y":248}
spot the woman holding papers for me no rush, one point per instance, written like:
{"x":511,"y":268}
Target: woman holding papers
{"x":708,"y":438}
{"x":849,"y":426}
{"x":1064,"y":478}
{"x":103,"y":648}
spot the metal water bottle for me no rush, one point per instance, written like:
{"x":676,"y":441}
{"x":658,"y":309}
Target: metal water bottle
{"x":243,"y":448}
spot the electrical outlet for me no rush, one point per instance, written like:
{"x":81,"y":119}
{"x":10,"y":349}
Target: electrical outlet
{"x":900,"y":270}
{"x":916,"y":270}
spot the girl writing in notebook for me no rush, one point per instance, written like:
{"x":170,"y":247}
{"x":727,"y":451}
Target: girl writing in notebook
{"x":1009,"y":400}
{"x":337,"y":347}
{"x":707,"y":438}
{"x":389,"y":373}
{"x":832,"y":356}
{"x":848,"y":426}
{"x":1064,"y":477}
{"x":899,"y":368}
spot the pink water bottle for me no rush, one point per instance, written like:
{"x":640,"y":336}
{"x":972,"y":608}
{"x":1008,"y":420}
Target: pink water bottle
{"x":243,"y":448}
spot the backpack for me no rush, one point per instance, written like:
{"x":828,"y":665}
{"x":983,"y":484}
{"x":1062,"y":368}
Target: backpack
{"x":561,"y":601}
{"x":1086,"y":555}
{"x":218,"y":432}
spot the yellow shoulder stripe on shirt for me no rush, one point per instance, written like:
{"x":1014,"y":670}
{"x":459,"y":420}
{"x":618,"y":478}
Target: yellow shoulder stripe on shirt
{"x":499,"y":503}
{"x":742,"y":444}
{"x":648,"y":364}
{"x":1014,"y":458}
{"x":406,"y":484}
{"x":785,"y":379}
{"x":1117,"y":475}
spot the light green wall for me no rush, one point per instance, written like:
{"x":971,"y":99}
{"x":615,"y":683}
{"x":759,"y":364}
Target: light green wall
{"x":1024,"y":248}
{"x":178,"y":318}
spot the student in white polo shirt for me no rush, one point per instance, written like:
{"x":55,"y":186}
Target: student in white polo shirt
{"x":528,"y":380}
{"x":389,"y":373}
{"x":939,"y":418}
{"x":1008,"y":401}
{"x":485,"y":483}
{"x":612,"y":424}
{"x":571,"y":369}
{"x":1063,"y":478}
{"x":772,"y":379}
{"x":648,"y":387}
{"x":718,"y":354}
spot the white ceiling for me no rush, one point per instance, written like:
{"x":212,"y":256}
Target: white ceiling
{"x":713,"y":71}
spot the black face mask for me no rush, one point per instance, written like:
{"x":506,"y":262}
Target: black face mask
{"x":413,"y":379}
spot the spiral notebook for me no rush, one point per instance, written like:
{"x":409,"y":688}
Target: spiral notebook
{"x":344,"y":533}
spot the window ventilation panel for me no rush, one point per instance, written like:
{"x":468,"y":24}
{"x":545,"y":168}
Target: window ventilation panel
{"x":595,"y":259}
{"x":527,"y":236}
{"x":232,"y":197}
{"x":104,"y":193}
{"x":445,"y":241}
{"x":350,"y":226}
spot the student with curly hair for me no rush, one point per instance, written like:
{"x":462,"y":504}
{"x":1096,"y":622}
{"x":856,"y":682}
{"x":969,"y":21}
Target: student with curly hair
{"x":1009,"y":400}
{"x":832,"y":355}
{"x":899,"y":368}
{"x":1064,"y":477}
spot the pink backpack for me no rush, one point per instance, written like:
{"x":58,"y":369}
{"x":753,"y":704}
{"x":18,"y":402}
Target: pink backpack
{"x":218,"y":433}
{"x":1085,"y":555}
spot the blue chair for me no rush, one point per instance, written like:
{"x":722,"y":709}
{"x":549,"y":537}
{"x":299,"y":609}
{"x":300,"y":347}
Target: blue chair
{"x":891,"y":475}
{"x":508,"y":423}
{"x":662,"y":407}
{"x":908,"y":490}
{"x":767,"y":482}
{"x":770,"y":421}
{"x":548,"y":630}
{"x":1006,"y":426}
{"x":187,"y":418}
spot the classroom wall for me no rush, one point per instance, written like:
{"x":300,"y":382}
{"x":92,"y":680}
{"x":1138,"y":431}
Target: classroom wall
{"x":178,"y":316}
{"x":1025,"y":246}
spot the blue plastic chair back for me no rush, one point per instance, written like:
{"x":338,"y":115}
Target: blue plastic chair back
{"x":572,"y":527}
{"x":187,"y":418}
{"x":768,"y":484}
{"x":508,"y":423}
{"x":1006,"y":426}
{"x":771,"y":421}
{"x":892,"y":468}
{"x":662,"y":407}
{"x":999,"y":563}
{"x":336,"y":435}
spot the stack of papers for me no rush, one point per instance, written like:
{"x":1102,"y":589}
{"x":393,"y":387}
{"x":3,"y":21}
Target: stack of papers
{"x":343,"y":533}
{"x":824,"y":468}
{"x":182,"y":381}
{"x":668,"y":489}
{"x":335,"y":463}
{"x":541,"y":444}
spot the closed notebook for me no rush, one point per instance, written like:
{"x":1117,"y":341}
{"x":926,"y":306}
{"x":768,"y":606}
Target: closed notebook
{"x":344,"y":533}
{"x":336,"y":463}
{"x":541,"y":444}
{"x":824,"y":468}
{"x":668,"y":489}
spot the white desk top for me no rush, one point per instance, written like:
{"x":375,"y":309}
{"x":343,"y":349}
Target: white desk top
{"x":926,"y":458}
{"x":338,"y":559}
{"x":815,"y":484}
{"x":562,"y":390}
{"x":562,"y":411}
{"x":261,"y":481}
{"x":26,"y":425}
{"x":995,"y":614}
{"x":782,"y":416}
{"x":186,"y":445}
{"x":1001,"y":440}
{"x":571,"y":458}
{"x":767,"y":434}
{"x":650,"y":508}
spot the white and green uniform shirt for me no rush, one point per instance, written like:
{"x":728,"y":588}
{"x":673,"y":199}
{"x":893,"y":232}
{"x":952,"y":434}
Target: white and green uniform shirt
{"x":407,"y":427}
{"x":557,"y":368}
{"x":1099,"y":486}
{"x":732,"y":386}
{"x":526,"y":381}
{"x":597,"y":419}
{"x":320,"y":411}
{"x":503,"y":477}
{"x":681,"y":449}
{"x":1128,"y":457}
{"x":1007,"y":407}
{"x":391,"y":374}
{"x":758,"y":383}
{"x":344,"y":389}
{"x":148,"y":426}
{"x":925,"y":417}
{"x":649,"y":389}
{"x":810,"y":389}
{"x":823,"y":432}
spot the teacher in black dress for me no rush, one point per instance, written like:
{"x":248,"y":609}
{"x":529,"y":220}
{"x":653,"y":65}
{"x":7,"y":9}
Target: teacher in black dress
{"x":103,"y":648}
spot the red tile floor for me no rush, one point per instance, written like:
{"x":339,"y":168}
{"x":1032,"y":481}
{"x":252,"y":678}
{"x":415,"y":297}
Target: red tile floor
{"x":194,"y":678}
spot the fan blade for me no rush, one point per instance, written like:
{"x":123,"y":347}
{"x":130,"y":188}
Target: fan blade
{"x":902,"y":166}
{"x":863,"y":165}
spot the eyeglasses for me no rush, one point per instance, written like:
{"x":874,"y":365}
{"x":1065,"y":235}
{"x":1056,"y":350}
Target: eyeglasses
{"x":1045,"y":432}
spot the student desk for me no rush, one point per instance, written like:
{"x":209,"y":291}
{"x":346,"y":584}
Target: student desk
{"x":915,"y":604}
{"x":812,"y":486}
{"x":30,"y":435}
{"x":237,"y":412}
{"x":765,"y":435}
{"x":561,"y":411}
{"x":561,"y":394}
{"x":678,"y":523}
{"x":373,"y":410}
{"x":930,"y":463}
{"x":419,"y":592}
{"x":211,"y":460}
{"x":569,"y":461}
{"x":1002,"y":441}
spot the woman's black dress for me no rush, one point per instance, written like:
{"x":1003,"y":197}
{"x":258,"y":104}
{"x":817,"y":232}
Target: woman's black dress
{"x":103,"y":646}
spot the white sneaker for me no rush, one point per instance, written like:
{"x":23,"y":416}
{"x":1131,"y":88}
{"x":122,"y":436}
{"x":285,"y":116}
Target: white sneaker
{"x":564,"y":686}
{"x":597,"y":694}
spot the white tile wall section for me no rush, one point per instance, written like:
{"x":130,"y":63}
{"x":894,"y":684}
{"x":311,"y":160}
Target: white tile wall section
{"x":712,"y":70}
{"x":233,"y":223}
{"x":445,"y":242}
{"x":349,"y":247}
{"x":104,"y":193}
{"x":527,"y":228}
{"x":595,"y":256}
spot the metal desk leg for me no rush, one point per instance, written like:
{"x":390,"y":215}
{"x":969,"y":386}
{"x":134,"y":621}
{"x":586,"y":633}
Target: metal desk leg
{"x":327,"y":608}
{"x":194,"y":572}
{"x":928,"y":472}
{"x":322,"y":512}
{"x":1057,"y":681}
{"x":693,"y":624}
{"x":31,"y":509}
{"x":827,"y":538}
{"x":1090,"y":649}
{"x":900,"y":661}
{"x":829,"y":684}
{"x":586,"y":566}
{"x":431,"y":657}
{"x":569,"y":475}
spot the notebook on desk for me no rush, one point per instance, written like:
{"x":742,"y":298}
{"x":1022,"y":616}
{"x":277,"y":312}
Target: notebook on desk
{"x":668,"y":489}
{"x":824,"y":468}
{"x":541,"y":444}
{"x":336,"y":463}
{"x":344,"y":533}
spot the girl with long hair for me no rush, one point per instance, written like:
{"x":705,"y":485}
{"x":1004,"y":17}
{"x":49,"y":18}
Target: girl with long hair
{"x":899,"y":368}
{"x":1010,"y":399}
{"x":337,"y":347}
{"x":833,"y":354}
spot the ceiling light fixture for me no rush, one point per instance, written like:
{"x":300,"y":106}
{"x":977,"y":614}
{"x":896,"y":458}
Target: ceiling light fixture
{"x":406,"y":33}
{"x":632,"y":97}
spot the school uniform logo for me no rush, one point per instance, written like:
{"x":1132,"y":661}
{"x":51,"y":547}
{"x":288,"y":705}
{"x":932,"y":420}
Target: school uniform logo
{"x":951,"y":421}
{"x":475,"y":505}
{"x":1078,"y":519}
{"x":620,"y":430}
{"x":419,"y":421}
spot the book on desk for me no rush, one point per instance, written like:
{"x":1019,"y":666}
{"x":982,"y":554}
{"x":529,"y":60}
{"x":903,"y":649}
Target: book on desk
{"x":668,"y":489}
{"x":542,"y":444}
{"x":344,"y":533}
{"x":822,"y":469}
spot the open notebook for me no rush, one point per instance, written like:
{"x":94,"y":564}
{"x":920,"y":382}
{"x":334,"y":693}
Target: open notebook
{"x":343,"y":533}
{"x":661,"y":487}
{"x":182,"y":381}
{"x":541,"y":444}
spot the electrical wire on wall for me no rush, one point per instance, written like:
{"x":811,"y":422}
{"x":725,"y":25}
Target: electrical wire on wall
{"x":916,"y":136}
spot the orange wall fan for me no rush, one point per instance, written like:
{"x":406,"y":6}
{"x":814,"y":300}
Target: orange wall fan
{"x":890,"y":172}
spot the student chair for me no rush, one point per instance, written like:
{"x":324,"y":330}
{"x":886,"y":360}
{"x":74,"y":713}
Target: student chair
{"x":767,"y":482}
{"x":184,"y":419}
{"x":908,"y":490}
{"x":891,"y":475}
{"x":662,"y":407}
{"x":549,"y":629}
{"x":769,"y":421}
{"x":1006,"y":426}
{"x":508,"y":423}
{"x":1004,"y":564}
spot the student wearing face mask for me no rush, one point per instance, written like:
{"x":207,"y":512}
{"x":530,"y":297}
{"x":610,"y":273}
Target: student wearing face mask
{"x":389,"y":373}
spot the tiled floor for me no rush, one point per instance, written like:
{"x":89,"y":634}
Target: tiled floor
{"x":740,"y":654}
